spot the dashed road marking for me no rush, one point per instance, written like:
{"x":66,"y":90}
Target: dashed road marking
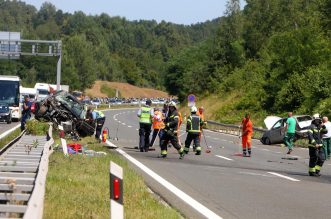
{"x":255,"y":174}
{"x":137,"y":129}
{"x":225,"y":158}
{"x":123,"y":123}
{"x":265,"y":149}
{"x":129,"y":126}
{"x":283,"y":176}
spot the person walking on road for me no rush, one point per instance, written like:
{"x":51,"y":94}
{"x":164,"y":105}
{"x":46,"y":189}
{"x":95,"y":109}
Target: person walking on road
{"x":200,"y":113}
{"x":193,"y":129}
{"x":289,"y":132}
{"x":316,"y":151}
{"x":145,"y":115}
{"x":247,"y":133}
{"x":327,"y":138}
{"x":170,"y":131}
{"x":158,"y":126}
{"x":26,"y":113}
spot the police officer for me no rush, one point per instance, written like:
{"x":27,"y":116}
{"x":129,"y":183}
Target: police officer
{"x":316,"y":151}
{"x":99,"y":119}
{"x":170,"y":131}
{"x":193,"y":129}
{"x":26,"y":113}
{"x":145,"y":115}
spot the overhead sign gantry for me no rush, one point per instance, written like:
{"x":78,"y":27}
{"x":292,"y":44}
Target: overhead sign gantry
{"x":12,"y":47}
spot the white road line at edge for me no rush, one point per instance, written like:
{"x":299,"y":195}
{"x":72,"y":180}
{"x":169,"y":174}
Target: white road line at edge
{"x":9,"y":131}
{"x":179,"y":193}
{"x":225,"y":158}
{"x":285,"y":177}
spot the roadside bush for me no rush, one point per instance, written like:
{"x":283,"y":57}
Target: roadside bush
{"x":35,"y":127}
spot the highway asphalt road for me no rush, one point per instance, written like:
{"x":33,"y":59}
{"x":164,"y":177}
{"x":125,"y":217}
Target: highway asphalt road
{"x":4,"y":126}
{"x":263,"y":186}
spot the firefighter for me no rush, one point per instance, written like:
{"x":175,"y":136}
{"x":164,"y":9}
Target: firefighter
{"x":170,"y":132}
{"x":180,"y":121}
{"x":26,"y":112}
{"x":247,"y":133}
{"x":193,"y":129}
{"x":158,"y":125}
{"x":145,"y":115}
{"x":316,"y":151}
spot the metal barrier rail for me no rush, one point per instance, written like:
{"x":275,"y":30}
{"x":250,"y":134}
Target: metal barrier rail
{"x":233,"y":129}
{"x":23,"y":169}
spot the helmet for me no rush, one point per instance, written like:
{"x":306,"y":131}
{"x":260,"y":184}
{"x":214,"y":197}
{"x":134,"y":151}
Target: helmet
{"x":172,"y":103}
{"x":194,"y":109}
{"x":148,"y":102}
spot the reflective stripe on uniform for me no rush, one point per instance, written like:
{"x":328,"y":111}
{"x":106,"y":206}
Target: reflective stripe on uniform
{"x":145,"y":116}
{"x":317,"y":167}
{"x":164,"y":152}
{"x":312,"y":169}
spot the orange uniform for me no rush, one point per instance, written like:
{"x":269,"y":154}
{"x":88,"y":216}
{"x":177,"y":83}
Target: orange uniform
{"x":158,"y":120}
{"x":247,"y":130}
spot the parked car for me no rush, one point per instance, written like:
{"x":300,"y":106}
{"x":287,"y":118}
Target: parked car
{"x":95,"y":102}
{"x":5,"y":113}
{"x":276,"y":128}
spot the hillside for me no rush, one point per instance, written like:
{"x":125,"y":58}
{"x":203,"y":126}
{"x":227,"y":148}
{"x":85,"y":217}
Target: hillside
{"x":126,"y":90}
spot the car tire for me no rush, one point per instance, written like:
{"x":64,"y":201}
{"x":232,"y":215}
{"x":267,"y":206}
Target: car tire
{"x":267,"y":141}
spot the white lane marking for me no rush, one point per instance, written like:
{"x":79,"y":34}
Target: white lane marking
{"x":215,"y":138}
{"x":225,"y":158}
{"x":278,"y":152}
{"x":255,"y":174}
{"x":129,"y":126}
{"x":265,"y":150}
{"x":285,"y":177}
{"x":179,"y":193}
{"x":137,"y":129}
{"x":9,"y":131}
{"x":115,"y":119}
{"x":123,"y":123}
{"x":253,"y":147}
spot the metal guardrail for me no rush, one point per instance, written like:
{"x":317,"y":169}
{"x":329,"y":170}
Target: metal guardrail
{"x":23,"y":169}
{"x":233,"y":129}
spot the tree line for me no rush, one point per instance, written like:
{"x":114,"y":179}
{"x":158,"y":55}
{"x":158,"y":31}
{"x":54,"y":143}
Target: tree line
{"x":273,"y":56}
{"x":97,"y":47}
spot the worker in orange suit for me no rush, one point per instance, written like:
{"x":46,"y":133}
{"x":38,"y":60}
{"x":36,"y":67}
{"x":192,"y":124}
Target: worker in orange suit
{"x":158,"y":125}
{"x":200,"y":113}
{"x":247,"y":133}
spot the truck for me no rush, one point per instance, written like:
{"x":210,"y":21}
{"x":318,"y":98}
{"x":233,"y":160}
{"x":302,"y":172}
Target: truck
{"x":42,"y":91}
{"x":10,"y":94}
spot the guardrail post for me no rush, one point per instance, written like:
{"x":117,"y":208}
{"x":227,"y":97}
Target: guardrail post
{"x":63,"y":141}
{"x":116,"y":191}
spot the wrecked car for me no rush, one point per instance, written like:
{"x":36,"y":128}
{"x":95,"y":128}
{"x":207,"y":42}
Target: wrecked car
{"x":64,"y":109}
{"x":276,"y":128}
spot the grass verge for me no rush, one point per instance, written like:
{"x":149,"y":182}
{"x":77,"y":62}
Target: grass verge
{"x":110,"y":92}
{"x":78,"y":187}
{"x":10,"y":137}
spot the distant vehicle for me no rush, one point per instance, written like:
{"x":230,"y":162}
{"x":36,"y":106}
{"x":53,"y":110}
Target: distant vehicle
{"x":42,"y":91}
{"x":5,"y":113}
{"x":10,"y":95}
{"x":78,"y":95}
{"x":53,"y":88}
{"x":276,"y":128}
{"x":30,"y":92}
{"x":95,"y":102}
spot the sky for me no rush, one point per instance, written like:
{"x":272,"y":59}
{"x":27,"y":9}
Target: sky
{"x":175,"y":11}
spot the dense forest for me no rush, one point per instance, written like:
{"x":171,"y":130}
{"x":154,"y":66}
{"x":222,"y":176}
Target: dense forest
{"x":272,"y":56}
{"x":97,"y":47}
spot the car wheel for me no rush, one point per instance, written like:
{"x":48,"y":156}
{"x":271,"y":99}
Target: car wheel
{"x":267,"y":141}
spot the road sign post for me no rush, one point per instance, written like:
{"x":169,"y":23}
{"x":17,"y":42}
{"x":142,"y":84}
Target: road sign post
{"x":190,"y":100}
{"x":116,"y":191}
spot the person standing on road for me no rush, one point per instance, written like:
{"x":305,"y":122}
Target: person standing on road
{"x":158,"y":126}
{"x":26,"y":112}
{"x":170,"y":132}
{"x":316,"y":151}
{"x":202,"y":116}
{"x":145,"y":115}
{"x":99,"y":119}
{"x":327,"y":138}
{"x":193,"y":129}
{"x":289,"y":132}
{"x":247,"y":133}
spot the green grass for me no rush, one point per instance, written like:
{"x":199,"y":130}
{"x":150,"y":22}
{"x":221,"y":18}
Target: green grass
{"x":35,"y":127}
{"x":10,"y":137}
{"x":78,"y":187}
{"x":110,"y":92}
